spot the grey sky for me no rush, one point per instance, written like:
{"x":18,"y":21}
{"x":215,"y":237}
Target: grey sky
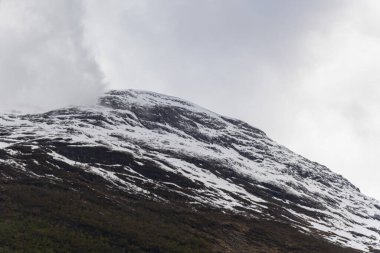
{"x":306,"y":72}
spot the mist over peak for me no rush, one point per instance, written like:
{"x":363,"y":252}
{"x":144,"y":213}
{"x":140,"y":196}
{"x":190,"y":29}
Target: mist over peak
{"x":45,"y":62}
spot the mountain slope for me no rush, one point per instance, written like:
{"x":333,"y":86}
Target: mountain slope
{"x":164,"y":153}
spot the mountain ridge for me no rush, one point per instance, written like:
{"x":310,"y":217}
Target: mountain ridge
{"x":163,"y":148}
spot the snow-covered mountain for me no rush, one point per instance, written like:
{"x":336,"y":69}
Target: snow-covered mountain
{"x":165,"y":149}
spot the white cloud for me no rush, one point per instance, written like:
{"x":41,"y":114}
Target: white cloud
{"x":44,"y":62}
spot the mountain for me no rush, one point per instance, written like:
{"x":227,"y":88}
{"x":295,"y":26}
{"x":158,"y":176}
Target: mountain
{"x":145,"y":172}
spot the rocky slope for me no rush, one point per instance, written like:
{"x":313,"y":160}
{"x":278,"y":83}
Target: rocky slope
{"x":165,"y":151}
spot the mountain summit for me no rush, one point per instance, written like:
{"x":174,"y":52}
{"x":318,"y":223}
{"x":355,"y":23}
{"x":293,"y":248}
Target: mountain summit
{"x":145,"y":172}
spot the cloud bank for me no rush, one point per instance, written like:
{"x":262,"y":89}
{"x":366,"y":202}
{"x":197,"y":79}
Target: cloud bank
{"x":44,"y":61}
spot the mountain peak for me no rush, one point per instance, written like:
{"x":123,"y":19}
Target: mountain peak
{"x":145,"y":98}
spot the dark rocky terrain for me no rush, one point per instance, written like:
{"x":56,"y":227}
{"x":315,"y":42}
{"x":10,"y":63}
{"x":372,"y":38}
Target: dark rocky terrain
{"x":144,"y":172}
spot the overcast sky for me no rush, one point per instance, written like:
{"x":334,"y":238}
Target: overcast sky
{"x":305,"y":72}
